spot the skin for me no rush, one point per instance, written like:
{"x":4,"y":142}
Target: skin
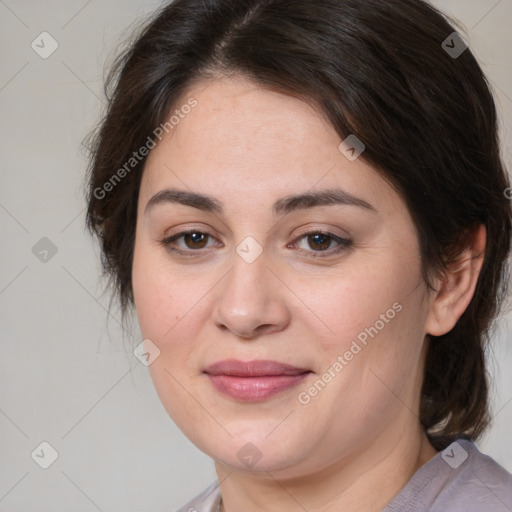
{"x":358,"y":441}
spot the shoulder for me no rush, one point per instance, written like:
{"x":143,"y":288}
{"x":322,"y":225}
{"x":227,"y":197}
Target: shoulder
{"x":479,"y":481}
{"x":460,"y":478}
{"x":207,"y":501}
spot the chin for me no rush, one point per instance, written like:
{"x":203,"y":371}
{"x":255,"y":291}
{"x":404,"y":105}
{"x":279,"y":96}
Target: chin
{"x":253,"y":451}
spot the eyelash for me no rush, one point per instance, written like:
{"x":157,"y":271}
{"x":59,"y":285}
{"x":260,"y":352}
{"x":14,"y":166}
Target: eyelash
{"x":343,"y":243}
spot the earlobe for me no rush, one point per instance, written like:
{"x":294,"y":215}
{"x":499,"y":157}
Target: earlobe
{"x":457,"y":286}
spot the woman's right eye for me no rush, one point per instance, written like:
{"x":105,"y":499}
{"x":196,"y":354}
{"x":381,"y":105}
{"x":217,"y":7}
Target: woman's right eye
{"x":188,"y":242}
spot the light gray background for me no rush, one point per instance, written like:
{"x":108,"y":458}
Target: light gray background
{"x":65,"y":378}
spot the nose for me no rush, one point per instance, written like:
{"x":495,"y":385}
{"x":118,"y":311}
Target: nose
{"x":251,"y":300}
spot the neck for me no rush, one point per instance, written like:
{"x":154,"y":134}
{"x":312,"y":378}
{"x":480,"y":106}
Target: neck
{"x":364,"y":481}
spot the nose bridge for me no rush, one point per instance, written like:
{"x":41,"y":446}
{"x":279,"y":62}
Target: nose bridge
{"x":249,"y":263}
{"x":245,"y":286}
{"x":249,"y":300}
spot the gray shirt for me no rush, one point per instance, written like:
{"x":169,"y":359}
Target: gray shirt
{"x":458,"y":479}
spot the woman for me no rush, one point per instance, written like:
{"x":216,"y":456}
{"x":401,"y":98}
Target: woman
{"x":306,"y":205}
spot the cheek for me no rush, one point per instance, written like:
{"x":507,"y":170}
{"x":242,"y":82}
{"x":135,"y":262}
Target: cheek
{"x":166,"y":316}
{"x":373,"y":319}
{"x":155,"y":299}
{"x":351,"y":303}
{"x":379,"y":349}
{"x":146,"y":293}
{"x":171,"y":305}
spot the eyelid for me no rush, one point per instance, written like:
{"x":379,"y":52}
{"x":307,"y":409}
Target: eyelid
{"x":310,"y":229}
{"x":187,"y":227}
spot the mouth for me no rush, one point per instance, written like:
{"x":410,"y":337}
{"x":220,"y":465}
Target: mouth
{"x":254,"y":381}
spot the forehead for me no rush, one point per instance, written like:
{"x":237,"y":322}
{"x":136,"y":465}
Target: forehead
{"x":246,"y":139}
{"x":238,"y":113}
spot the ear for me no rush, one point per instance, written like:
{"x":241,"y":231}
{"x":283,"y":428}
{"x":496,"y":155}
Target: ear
{"x":455,"y":289}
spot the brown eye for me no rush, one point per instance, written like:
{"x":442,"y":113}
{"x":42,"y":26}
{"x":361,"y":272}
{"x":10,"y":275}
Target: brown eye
{"x":318,"y":244}
{"x":190,"y":243}
{"x":195,"y":240}
{"x":319,"y":241}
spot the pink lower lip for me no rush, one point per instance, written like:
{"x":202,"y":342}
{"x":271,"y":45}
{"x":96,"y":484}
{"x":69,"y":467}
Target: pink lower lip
{"x":255,"y":389}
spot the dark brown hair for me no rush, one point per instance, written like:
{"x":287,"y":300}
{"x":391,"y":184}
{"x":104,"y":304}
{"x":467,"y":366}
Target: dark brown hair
{"x":376,"y":69}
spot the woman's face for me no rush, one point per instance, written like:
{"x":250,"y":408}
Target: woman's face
{"x":283,"y":253}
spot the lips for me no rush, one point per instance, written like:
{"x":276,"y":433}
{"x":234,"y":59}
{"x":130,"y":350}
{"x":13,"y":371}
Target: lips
{"x":254,"y":381}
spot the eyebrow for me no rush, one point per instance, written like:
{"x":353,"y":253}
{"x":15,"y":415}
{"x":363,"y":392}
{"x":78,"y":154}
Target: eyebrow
{"x":320,"y":198}
{"x":280,"y":207}
{"x":199,"y":201}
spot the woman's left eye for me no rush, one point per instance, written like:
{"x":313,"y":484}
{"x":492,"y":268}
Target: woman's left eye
{"x":320,"y":242}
